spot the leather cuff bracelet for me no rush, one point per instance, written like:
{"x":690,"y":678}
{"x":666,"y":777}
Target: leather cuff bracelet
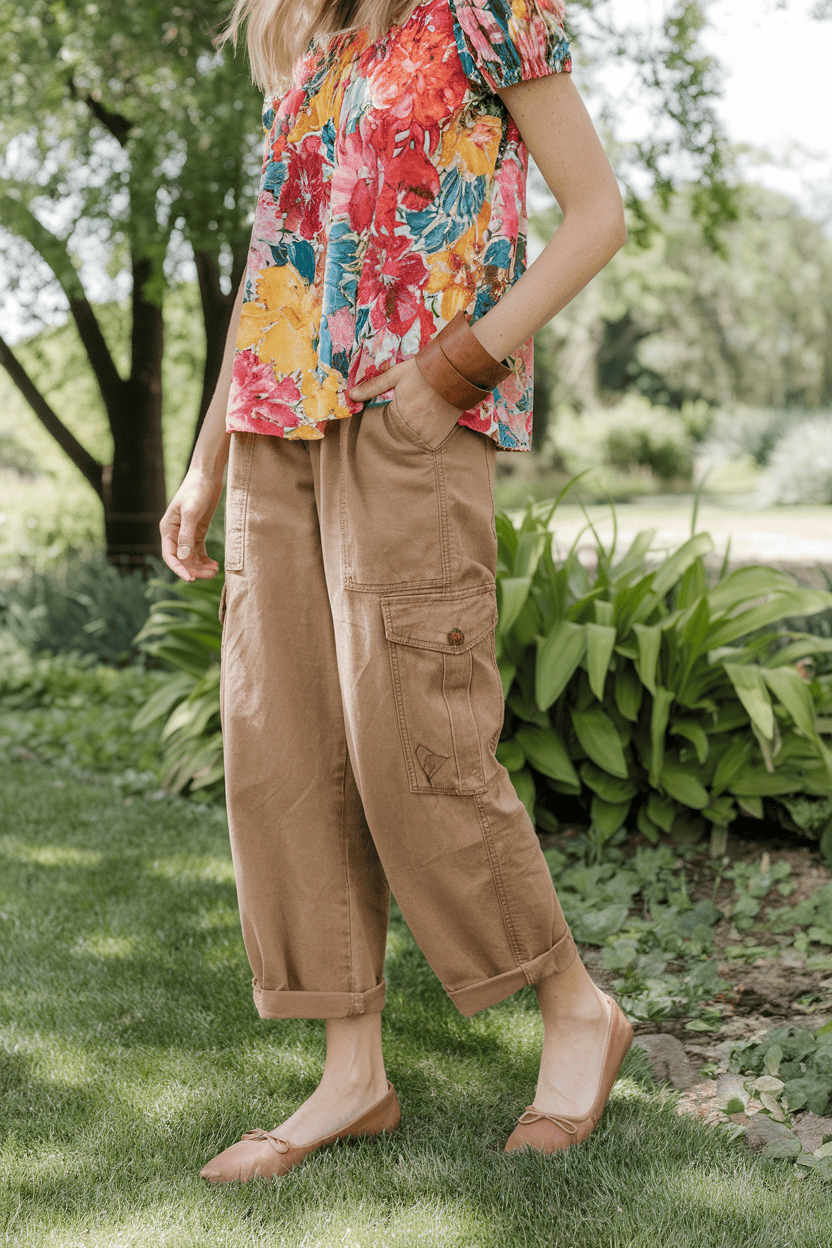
{"x":457,"y":365}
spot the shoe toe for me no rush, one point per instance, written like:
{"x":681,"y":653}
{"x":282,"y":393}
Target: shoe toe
{"x":241,"y":1162}
{"x":545,"y":1137}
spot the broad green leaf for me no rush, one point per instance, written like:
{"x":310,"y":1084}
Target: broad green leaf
{"x":661,"y":810}
{"x":731,"y":715}
{"x":508,"y":671}
{"x":599,"y":738}
{"x":600,"y":639}
{"x":746,"y":583}
{"x":659,"y":716}
{"x":608,"y":817}
{"x":610,"y":788}
{"x":692,"y":585}
{"x":523,"y":782}
{"x":512,"y":592}
{"x":649,"y":644}
{"x":795,"y":602}
{"x":594,"y":927}
{"x":529,"y":549}
{"x":678,"y":563}
{"x":751,"y":689}
{"x":603,"y":611}
{"x":752,"y":806}
{"x":633,"y":560}
{"x":731,"y":763}
{"x":507,"y":539}
{"x":800,"y":648}
{"x":692,"y":634}
{"x":683,"y":785}
{"x":757,"y":782}
{"x":510,"y":754}
{"x":558,"y":654}
{"x":646,"y":826}
{"x":547,"y":754}
{"x":693,"y":732}
{"x":529,"y":623}
{"x":159,"y":704}
{"x":628,"y":691}
{"x":721,"y":811}
{"x":791,"y":690}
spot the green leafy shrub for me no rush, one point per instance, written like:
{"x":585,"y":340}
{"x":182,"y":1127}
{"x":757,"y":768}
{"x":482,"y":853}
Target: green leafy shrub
{"x":800,"y":464}
{"x":85,"y":606}
{"x":751,"y":433}
{"x":632,"y":434}
{"x":652,"y":448}
{"x":75,"y":711}
{"x":183,"y":633}
{"x":635,"y":690}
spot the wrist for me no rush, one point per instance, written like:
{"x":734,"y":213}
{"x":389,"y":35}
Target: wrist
{"x":457,"y":365}
{"x":210,"y":453}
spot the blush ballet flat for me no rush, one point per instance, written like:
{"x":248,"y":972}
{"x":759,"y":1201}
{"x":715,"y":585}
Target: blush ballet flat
{"x":263,"y":1154}
{"x":552,"y":1133}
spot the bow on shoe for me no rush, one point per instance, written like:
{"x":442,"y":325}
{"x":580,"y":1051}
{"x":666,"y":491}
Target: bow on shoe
{"x":257,"y":1133}
{"x":536,"y":1115}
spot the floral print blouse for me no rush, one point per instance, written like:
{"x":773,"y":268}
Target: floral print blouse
{"x":393,"y":194}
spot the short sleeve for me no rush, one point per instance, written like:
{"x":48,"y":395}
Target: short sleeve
{"x":501,"y":42}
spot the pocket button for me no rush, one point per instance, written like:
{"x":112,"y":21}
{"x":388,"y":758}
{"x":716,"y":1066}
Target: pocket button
{"x":456,"y":637}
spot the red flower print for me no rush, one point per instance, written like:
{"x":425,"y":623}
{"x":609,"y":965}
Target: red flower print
{"x":256,"y":392}
{"x":302,"y":197}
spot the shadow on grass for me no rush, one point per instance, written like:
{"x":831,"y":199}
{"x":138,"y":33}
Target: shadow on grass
{"x":130,"y":1053}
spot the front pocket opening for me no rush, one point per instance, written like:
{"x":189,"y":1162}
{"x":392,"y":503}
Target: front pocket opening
{"x":442,"y":675}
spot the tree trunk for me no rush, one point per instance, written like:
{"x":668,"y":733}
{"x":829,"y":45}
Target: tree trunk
{"x":134,"y":483}
{"x":216,"y":314}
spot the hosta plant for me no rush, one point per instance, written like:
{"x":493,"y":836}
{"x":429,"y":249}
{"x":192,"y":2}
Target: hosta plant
{"x":183,"y":632}
{"x":655,"y":700}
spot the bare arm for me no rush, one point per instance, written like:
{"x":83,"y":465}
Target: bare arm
{"x":558,"y":131}
{"x":185,"y":523}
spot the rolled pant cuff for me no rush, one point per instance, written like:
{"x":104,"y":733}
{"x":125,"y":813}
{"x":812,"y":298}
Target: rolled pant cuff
{"x":487,"y":992}
{"x":275,"y":1003}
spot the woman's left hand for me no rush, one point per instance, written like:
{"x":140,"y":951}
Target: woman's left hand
{"x":416,"y":403}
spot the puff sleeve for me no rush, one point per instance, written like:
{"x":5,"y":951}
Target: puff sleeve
{"x":501,"y":42}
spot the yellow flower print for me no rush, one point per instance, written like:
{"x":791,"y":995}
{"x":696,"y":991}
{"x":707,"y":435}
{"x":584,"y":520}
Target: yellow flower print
{"x":325,"y":106}
{"x":278,"y":326}
{"x":474,"y":148}
{"x":457,"y":273}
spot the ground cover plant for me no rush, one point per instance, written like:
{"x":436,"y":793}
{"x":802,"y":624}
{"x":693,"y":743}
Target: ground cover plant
{"x":130,"y":1052}
{"x":75,"y":712}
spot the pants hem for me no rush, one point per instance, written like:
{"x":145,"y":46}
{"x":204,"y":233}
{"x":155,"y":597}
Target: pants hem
{"x":276,"y":1003}
{"x":487,"y":992}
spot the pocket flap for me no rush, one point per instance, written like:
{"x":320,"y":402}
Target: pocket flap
{"x":452,"y":623}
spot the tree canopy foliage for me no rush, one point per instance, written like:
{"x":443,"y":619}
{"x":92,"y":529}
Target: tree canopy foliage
{"x":132,"y":152}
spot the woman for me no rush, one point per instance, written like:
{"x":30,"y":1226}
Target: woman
{"x":380,"y":354}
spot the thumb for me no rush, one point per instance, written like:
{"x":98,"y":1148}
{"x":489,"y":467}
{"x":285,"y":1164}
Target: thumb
{"x":186,"y":540}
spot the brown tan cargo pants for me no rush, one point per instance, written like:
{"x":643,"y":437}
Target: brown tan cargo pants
{"x":361,"y":708}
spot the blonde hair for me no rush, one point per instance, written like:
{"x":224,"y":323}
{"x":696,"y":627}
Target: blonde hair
{"x":279,"y":31}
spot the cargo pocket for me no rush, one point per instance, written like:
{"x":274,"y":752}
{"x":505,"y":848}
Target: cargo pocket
{"x":448,"y":694}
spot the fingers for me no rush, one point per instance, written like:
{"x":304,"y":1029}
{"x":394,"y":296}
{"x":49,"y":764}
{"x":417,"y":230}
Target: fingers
{"x":182,"y":551}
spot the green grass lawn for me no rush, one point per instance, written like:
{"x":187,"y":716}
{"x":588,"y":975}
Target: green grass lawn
{"x":130,"y":1053}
